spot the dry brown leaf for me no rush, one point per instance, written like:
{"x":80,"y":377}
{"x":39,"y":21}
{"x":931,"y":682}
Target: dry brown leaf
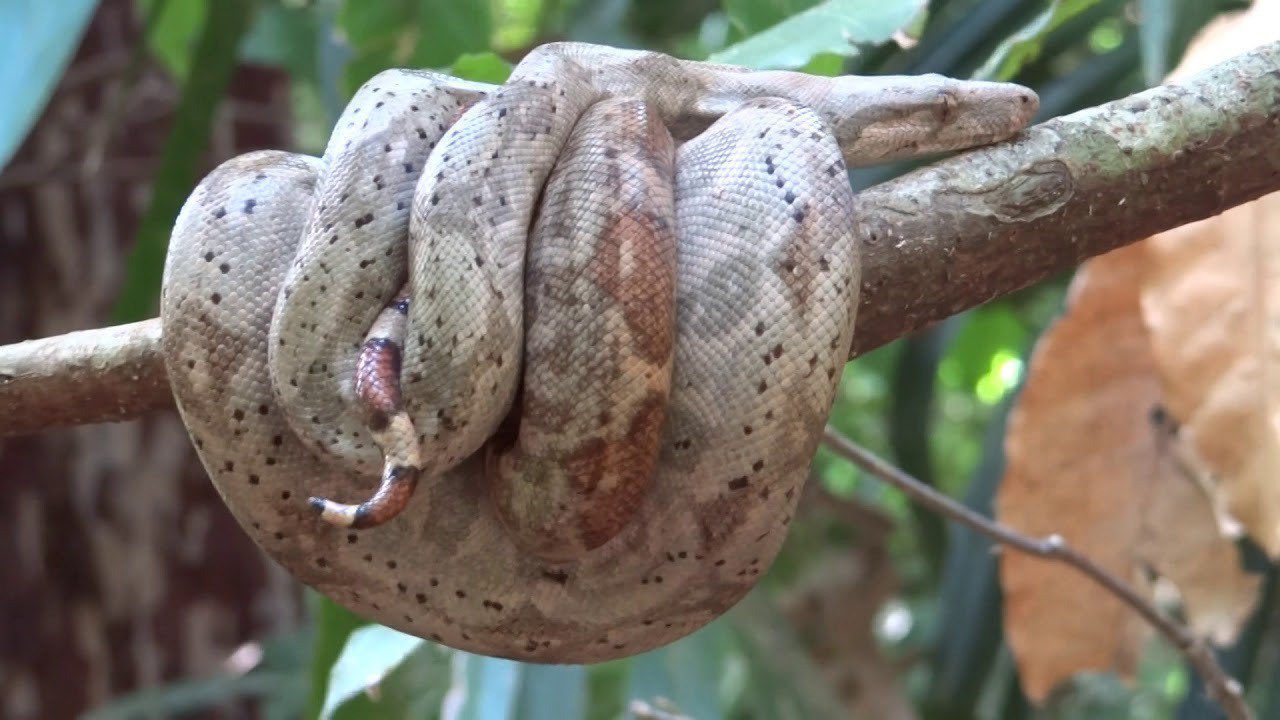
{"x":1086,"y":462}
{"x":1211,"y":300}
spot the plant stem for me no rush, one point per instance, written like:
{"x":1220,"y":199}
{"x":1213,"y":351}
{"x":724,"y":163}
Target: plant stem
{"x":1221,"y":687}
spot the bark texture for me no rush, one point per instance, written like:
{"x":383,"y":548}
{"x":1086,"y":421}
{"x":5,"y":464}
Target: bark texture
{"x":956,"y":234}
{"x":936,"y":241}
{"x":123,"y":569}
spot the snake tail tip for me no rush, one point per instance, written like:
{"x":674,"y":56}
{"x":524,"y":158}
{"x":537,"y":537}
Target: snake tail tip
{"x":334,"y":513}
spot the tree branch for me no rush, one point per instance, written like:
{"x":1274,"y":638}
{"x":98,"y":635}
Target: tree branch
{"x":1222,"y":687}
{"x":961,"y":232}
{"x":102,"y":375}
{"x":935,"y":242}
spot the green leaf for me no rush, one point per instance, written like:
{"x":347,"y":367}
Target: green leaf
{"x":37,"y":40}
{"x":367,"y":24}
{"x":174,"y":32}
{"x":380,"y":35}
{"x":410,"y":33}
{"x":606,"y":686}
{"x":552,"y":692}
{"x":484,"y":688}
{"x":1157,"y":19}
{"x":828,"y":64}
{"x":371,"y":653}
{"x":216,"y":56}
{"x":833,"y":26}
{"x":749,"y":17}
{"x":416,"y":688}
{"x":481,"y":67}
{"x":334,"y":625}
{"x":285,"y":37}
{"x":1024,"y":46}
{"x":969,"y":629}
{"x":449,"y":28}
{"x":686,"y":672}
{"x":516,"y":23}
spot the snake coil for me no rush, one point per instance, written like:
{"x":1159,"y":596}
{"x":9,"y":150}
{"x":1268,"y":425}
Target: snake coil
{"x":601,"y":310}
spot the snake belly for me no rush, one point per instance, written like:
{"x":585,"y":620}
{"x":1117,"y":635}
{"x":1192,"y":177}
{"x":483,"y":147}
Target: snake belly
{"x":279,"y":262}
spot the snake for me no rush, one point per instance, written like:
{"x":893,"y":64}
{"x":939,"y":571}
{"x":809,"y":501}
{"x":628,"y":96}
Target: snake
{"x":537,"y":370}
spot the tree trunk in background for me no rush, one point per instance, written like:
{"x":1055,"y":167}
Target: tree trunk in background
{"x":123,"y":569}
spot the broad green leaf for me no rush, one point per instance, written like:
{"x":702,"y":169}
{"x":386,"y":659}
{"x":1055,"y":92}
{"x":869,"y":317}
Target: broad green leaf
{"x":516,"y":23}
{"x":969,"y":630}
{"x":606,"y":688}
{"x":829,"y":64}
{"x":449,"y":28}
{"x":37,"y":40}
{"x":749,"y":17}
{"x":552,"y":692}
{"x":481,"y":67}
{"x":833,"y":26}
{"x":1155,"y":30}
{"x":601,"y":21}
{"x":216,"y":55}
{"x":285,"y":37}
{"x":687,"y":672}
{"x":1024,"y":46}
{"x":484,"y":688}
{"x":415,"y":688}
{"x":371,"y":653}
{"x":175,"y":31}
{"x":380,"y":36}
{"x":367,"y":24}
{"x":410,"y":33}
{"x":333,"y":627}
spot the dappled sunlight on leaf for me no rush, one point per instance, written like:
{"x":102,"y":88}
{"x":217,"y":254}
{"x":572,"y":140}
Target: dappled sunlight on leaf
{"x":833,"y":26}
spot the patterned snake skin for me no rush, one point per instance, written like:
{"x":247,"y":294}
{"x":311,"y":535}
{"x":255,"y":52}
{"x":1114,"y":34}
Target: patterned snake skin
{"x":631,"y":284}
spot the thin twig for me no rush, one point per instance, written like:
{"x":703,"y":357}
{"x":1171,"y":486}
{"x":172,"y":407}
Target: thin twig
{"x":1221,"y":687}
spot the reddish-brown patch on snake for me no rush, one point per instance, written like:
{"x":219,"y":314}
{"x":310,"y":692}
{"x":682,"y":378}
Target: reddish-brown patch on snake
{"x":269,"y":400}
{"x":599,"y":337}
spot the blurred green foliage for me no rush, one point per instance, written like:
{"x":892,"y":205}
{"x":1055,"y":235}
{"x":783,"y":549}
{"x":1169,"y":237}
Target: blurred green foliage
{"x":935,"y":403}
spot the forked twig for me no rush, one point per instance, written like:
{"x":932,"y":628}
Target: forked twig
{"x":1221,"y":687}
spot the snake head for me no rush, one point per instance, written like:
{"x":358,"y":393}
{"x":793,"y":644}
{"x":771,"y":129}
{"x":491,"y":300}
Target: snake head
{"x":877,"y":119}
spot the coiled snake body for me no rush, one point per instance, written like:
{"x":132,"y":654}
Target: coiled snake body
{"x":631,"y":283}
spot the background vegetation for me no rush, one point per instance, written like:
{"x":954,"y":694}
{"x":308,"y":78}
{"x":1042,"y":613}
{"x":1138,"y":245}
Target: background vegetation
{"x":874,"y":604}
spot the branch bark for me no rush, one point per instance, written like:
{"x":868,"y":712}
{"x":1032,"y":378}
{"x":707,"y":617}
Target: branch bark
{"x":959,"y":233}
{"x":1221,"y":687}
{"x":935,"y":242}
{"x":91,"y":376}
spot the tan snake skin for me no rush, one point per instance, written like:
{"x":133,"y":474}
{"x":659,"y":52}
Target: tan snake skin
{"x":688,"y":305}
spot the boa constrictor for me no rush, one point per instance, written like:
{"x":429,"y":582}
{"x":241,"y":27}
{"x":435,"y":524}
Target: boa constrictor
{"x":630,"y":282}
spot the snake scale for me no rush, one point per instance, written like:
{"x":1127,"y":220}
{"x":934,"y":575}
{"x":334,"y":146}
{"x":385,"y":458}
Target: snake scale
{"x":610,"y":301}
